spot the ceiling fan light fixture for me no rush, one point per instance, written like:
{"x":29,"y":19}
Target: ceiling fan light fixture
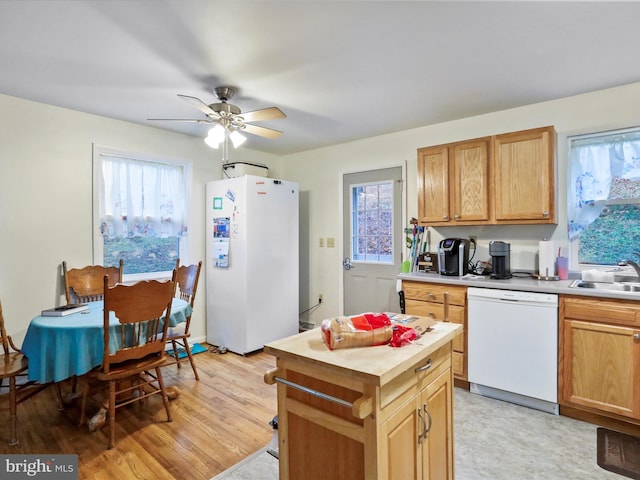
{"x":215,"y":136}
{"x":209,"y":141}
{"x":237,"y":138}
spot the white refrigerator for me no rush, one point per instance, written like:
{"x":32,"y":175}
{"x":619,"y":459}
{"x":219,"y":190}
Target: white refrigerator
{"x":251,"y":262}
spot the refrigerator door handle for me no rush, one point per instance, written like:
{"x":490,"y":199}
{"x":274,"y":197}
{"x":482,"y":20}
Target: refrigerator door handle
{"x":346,"y":263}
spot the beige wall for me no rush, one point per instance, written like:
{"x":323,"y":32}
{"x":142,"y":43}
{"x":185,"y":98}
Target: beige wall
{"x":45,"y":197}
{"x":318,"y":173}
{"x":45,"y":189}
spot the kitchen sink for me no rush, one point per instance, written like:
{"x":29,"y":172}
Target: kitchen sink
{"x":626,"y":279}
{"x":612,"y":287}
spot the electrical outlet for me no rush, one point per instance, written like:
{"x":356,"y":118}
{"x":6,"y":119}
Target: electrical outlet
{"x":320,"y":298}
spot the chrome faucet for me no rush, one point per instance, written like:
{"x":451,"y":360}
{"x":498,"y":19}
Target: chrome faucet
{"x":632,"y":264}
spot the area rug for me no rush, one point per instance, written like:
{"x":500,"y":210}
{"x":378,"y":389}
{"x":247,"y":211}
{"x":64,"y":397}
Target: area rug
{"x":259,"y":466}
{"x":619,"y":453}
{"x":195,"y":348}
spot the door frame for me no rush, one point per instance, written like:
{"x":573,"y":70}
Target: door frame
{"x":403,"y":216}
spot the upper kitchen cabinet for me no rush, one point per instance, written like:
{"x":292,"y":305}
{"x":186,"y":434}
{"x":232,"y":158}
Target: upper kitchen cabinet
{"x":453,"y":183}
{"x":454,"y":180}
{"x":523,"y":174}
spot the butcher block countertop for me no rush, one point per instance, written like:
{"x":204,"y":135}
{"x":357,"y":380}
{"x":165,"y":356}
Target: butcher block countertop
{"x":371,"y":365}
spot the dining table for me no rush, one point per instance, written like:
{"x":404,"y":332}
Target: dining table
{"x":62,"y":347}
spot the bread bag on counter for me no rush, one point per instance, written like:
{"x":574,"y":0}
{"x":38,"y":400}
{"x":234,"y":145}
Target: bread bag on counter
{"x":362,"y":330}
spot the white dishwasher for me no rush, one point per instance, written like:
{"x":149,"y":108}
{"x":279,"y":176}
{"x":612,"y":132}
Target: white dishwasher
{"x":513,"y":346}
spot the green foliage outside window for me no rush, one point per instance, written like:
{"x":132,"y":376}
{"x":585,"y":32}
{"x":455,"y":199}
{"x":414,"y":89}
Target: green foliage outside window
{"x":142,"y":254}
{"x":612,"y":237}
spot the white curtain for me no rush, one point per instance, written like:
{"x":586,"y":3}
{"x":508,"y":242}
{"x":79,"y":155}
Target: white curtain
{"x":141,"y":198}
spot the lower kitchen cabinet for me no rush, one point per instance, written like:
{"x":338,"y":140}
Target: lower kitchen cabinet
{"x":419,"y":436}
{"x":600,"y":356}
{"x":427,"y":299}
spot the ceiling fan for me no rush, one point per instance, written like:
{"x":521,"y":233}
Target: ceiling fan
{"x":228,"y":119}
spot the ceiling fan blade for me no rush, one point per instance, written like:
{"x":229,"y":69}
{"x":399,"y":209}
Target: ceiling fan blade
{"x":199,"y":104}
{"x":264,"y":114}
{"x":261,"y":131}
{"x":191,"y":120}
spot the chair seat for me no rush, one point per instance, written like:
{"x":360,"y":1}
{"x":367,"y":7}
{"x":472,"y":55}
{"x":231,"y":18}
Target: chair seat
{"x":12,"y":364}
{"x":127,"y":369}
{"x":179,"y":331}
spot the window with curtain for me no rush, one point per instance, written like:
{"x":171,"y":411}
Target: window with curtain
{"x":140,"y":207}
{"x":604,"y":197}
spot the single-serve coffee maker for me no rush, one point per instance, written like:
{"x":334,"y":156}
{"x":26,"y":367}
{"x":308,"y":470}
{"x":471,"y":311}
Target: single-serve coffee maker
{"x":453,"y":256}
{"x":500,"y":259}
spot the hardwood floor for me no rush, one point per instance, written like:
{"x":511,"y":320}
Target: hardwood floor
{"x":217,"y":422}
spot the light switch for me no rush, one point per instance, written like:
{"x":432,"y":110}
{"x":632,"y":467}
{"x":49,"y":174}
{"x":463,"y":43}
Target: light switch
{"x":322,"y":242}
{"x":331,"y":242}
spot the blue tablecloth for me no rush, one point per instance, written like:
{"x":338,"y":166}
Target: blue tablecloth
{"x":61,"y":347}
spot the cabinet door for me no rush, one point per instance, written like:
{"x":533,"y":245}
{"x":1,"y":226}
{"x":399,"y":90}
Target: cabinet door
{"x":602,"y":367}
{"x":404,"y":429}
{"x":470,"y":186}
{"x":433,"y":185}
{"x":420,"y":435}
{"x":437,"y":448}
{"x":523,"y":173}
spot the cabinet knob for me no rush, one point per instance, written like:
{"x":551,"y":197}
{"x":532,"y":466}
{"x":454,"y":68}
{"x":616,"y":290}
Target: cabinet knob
{"x":456,"y":216}
{"x":636,"y":336}
{"x":445,"y":217}
{"x":431,"y":295}
{"x":431,"y":314}
{"x":545,"y":214}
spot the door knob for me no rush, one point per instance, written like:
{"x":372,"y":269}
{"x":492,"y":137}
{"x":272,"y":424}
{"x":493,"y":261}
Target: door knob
{"x":346,"y":263}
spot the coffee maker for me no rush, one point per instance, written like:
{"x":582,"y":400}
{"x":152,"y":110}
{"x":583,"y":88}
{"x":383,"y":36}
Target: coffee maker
{"x":453,"y":256}
{"x":500,"y":259}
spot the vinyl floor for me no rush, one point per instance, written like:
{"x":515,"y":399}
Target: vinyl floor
{"x":496,"y":440}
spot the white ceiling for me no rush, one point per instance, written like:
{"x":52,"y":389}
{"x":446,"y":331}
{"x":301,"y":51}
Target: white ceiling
{"x":340,"y":70}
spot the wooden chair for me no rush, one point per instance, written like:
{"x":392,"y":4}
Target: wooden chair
{"x":83,"y":285}
{"x":13,"y":370}
{"x":86,"y":284}
{"x":131,"y":368}
{"x":178,"y":336}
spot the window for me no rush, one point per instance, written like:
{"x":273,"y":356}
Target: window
{"x":604,"y":197}
{"x":140,"y":212}
{"x":372,"y":225}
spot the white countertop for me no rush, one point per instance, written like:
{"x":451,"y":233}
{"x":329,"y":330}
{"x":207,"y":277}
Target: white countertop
{"x":526,"y":284}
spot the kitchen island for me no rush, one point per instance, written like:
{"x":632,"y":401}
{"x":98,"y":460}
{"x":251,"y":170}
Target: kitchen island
{"x":365,"y":413}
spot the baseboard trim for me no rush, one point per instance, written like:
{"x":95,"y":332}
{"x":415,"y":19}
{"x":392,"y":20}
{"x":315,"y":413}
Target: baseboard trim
{"x":597,"y":419}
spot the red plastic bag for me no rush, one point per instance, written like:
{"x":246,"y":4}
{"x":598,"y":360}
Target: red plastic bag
{"x":402,"y":336}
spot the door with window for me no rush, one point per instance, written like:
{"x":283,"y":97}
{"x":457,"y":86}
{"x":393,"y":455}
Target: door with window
{"x":372,"y":236}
